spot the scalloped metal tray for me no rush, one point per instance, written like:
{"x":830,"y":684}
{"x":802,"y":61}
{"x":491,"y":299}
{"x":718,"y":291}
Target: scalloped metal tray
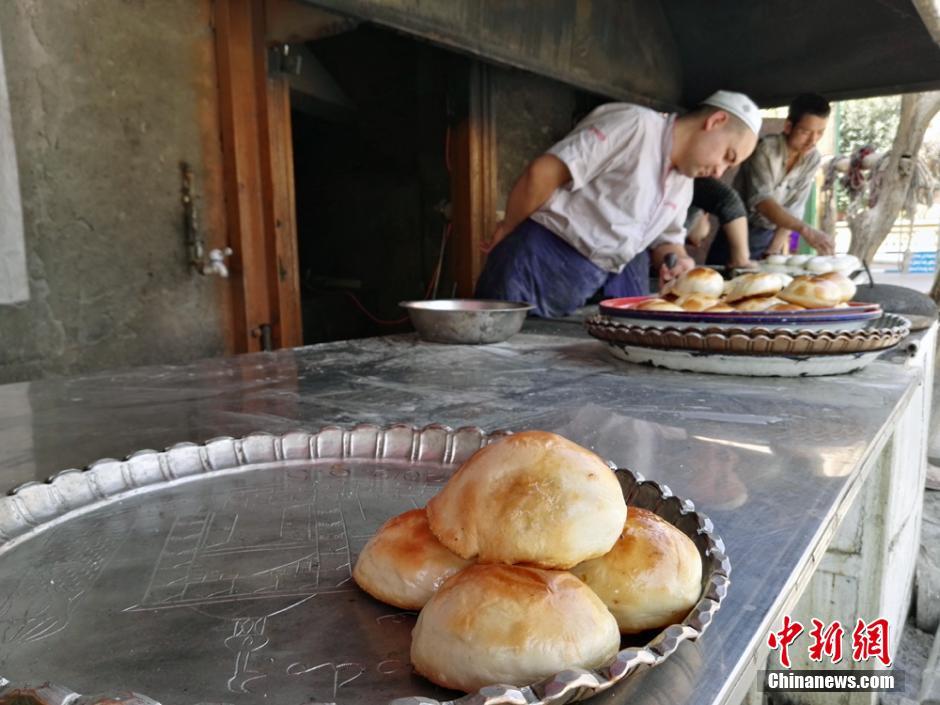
{"x":221,"y":573}
{"x":881,"y":334}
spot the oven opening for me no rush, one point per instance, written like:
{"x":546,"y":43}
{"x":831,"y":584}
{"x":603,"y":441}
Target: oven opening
{"x":370,"y":130}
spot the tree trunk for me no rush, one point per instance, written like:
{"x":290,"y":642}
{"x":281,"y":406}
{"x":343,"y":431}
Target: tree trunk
{"x":870,"y":226}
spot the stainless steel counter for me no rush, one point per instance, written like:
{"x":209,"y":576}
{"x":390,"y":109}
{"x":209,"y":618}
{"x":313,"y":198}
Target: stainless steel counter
{"x":772,"y":461}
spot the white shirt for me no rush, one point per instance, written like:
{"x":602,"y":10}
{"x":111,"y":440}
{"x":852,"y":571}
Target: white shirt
{"x":624,"y":195}
{"x":765,"y":176}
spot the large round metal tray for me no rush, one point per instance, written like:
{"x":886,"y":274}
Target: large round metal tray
{"x":744,"y":365}
{"x":221,"y":573}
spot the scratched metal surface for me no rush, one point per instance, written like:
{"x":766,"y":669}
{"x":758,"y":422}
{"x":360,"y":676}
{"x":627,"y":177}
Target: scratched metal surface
{"x":769,"y":460}
{"x":221,"y":591}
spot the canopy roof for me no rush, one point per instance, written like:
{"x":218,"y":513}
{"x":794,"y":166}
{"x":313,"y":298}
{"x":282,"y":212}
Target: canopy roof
{"x":668,"y":54}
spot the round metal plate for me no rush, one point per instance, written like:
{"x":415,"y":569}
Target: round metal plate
{"x":222,"y":573}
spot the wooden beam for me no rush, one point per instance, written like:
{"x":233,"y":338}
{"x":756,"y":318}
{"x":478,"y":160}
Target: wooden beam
{"x":473,"y":179}
{"x":293,"y":21}
{"x":239,"y":53}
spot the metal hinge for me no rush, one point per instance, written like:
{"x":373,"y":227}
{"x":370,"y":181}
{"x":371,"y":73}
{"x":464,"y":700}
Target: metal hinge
{"x":283,"y":59}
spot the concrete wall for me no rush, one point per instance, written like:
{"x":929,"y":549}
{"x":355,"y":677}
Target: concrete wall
{"x":106,"y":98}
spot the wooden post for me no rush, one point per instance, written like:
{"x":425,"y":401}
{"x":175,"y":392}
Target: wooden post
{"x":473,"y":179}
{"x":281,"y":217}
{"x":237,"y":45}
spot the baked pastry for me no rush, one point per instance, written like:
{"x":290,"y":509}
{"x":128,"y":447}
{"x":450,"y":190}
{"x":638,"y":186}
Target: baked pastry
{"x":404,"y":564}
{"x":657,"y":305}
{"x":696,"y":302}
{"x":775,"y":268}
{"x":758,"y":303}
{"x":698,"y":280}
{"x":846,"y":263}
{"x":776,"y":259}
{"x":651,"y":578}
{"x":846,"y":286}
{"x":819,"y":265}
{"x":783,"y":306}
{"x":747,"y":286}
{"x":513,"y":625}
{"x":812,"y":293}
{"x":797,"y":260}
{"x":532,"y":497}
{"x":721,"y":307}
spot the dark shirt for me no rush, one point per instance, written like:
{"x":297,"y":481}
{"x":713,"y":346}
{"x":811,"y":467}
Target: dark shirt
{"x":715,"y":197}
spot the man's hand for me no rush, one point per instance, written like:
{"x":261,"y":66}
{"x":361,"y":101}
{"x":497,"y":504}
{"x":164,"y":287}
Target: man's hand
{"x":683,"y":264}
{"x":742,"y":264}
{"x":499,"y":232}
{"x":821,"y":241}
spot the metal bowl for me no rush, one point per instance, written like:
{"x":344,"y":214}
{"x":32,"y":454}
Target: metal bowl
{"x":466,"y":321}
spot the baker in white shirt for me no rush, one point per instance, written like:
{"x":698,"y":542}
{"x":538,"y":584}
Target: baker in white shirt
{"x":776,"y":181}
{"x":582,"y":216}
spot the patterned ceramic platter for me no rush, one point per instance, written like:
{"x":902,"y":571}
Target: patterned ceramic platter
{"x":877,"y":335}
{"x":754,"y":352}
{"x":221,"y":573}
{"x":856,"y":315}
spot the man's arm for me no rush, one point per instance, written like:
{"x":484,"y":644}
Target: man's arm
{"x":539,"y":181}
{"x":738,"y":246}
{"x":779,"y":216}
{"x":779,"y":243}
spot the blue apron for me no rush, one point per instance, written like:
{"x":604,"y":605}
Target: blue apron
{"x":534,"y":265}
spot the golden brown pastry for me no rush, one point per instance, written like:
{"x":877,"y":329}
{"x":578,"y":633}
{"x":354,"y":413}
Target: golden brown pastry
{"x":698,"y":280}
{"x":651,"y":578}
{"x":532,"y":497}
{"x":748,"y":286}
{"x":696,"y":302}
{"x":785,"y":307}
{"x":758,"y":303}
{"x":657,"y":305}
{"x":721,"y":307}
{"x":404,"y":564}
{"x":812,"y":293}
{"x":846,"y":286}
{"x":510,"y":624}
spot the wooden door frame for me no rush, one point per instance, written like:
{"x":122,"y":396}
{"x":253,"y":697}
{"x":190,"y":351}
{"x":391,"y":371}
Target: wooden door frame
{"x":257,"y":162}
{"x":257,"y":157}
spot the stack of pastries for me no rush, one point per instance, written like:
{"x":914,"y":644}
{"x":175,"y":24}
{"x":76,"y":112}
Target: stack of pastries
{"x":703,"y":290}
{"x":526,"y":563}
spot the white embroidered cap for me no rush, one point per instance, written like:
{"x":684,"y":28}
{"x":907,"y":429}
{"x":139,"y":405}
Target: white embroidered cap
{"x":738,"y":105}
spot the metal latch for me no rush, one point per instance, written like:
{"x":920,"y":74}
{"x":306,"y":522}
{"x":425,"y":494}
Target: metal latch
{"x":264,"y":332}
{"x":214,"y":261}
